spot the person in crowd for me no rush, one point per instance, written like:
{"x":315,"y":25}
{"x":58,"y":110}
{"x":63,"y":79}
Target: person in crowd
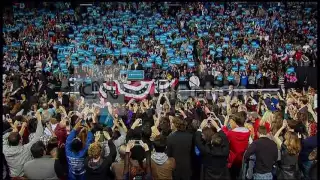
{"x":97,"y":166}
{"x":289,"y":150}
{"x":49,"y":48}
{"x":42,"y":166}
{"x":118,"y":166}
{"x":214,"y":150}
{"x":179,"y":147}
{"x":266,"y":119}
{"x":136,"y":66}
{"x":313,"y":170}
{"x":5,"y":169}
{"x":307,"y":146}
{"x":238,"y":137}
{"x":162,"y":166}
{"x":266,"y":154}
{"x":16,"y":153}
{"x":60,"y":163}
{"x":136,"y":152}
{"x":76,"y":151}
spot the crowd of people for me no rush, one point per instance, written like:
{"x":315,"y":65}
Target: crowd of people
{"x":51,"y":135}
{"x":254,"y":47}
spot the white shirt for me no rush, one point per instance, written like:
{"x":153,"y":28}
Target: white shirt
{"x":53,"y":127}
{"x":194,"y":81}
{"x":306,"y":47}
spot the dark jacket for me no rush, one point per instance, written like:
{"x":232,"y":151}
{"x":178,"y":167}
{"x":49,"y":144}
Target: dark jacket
{"x":266,"y":153}
{"x":65,"y":100}
{"x":288,"y":165}
{"x":214,"y":158}
{"x":139,"y":67}
{"x":101,"y":169}
{"x":307,"y":146}
{"x":180,"y":147}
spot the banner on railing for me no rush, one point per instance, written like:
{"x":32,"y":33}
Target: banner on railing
{"x":137,"y":89}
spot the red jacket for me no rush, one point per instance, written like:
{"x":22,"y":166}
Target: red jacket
{"x":61,"y":134}
{"x":256,"y":127}
{"x":298,"y":55}
{"x":239,"y":141}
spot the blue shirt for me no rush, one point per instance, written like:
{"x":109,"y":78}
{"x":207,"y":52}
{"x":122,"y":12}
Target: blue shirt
{"x":76,"y":160}
{"x":244,"y":80}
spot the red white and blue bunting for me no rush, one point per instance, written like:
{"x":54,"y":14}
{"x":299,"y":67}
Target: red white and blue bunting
{"x":137,"y":89}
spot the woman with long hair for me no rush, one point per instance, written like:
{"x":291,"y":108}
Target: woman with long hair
{"x":276,"y":122}
{"x":289,"y":149}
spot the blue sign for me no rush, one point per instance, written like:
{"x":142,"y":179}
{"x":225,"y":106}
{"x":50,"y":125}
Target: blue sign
{"x":135,"y":75}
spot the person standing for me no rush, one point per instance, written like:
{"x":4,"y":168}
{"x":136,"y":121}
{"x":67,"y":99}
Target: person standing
{"x":17,"y":154}
{"x":266,"y":154}
{"x":214,"y":150}
{"x":179,"y":146}
{"x":238,"y":137}
{"x":76,"y":152}
{"x":161,"y":165}
{"x":42,"y":166}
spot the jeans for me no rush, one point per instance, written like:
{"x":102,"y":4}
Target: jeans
{"x":266,"y":176}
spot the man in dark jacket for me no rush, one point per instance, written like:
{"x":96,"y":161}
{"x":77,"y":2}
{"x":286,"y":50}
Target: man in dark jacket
{"x":136,"y":66}
{"x":266,"y":153}
{"x":213,"y":145}
{"x":179,"y":146}
{"x":63,"y":99}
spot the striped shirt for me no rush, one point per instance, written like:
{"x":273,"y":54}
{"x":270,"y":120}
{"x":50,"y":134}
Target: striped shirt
{"x":281,"y":81}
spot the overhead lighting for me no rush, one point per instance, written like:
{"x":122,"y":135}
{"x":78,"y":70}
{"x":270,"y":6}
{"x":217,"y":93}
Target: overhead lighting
{"x":85,"y":4}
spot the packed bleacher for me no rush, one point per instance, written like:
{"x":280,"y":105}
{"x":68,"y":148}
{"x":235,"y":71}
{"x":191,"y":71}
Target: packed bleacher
{"x":257,"y":64}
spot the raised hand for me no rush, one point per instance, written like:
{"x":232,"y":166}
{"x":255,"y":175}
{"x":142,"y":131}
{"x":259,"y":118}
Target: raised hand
{"x":106,"y":135}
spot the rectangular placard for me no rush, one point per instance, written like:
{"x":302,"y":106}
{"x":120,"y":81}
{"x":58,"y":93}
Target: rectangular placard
{"x":135,"y":75}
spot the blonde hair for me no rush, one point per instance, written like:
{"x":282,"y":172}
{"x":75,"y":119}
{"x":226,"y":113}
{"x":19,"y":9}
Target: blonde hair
{"x":242,"y":108}
{"x":251,"y":129}
{"x":276,"y":123}
{"x":267,"y":117}
{"x":94,"y":150}
{"x":292,"y":143}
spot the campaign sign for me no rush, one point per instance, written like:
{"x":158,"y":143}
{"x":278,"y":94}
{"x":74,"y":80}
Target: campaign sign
{"x":135,"y":75}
